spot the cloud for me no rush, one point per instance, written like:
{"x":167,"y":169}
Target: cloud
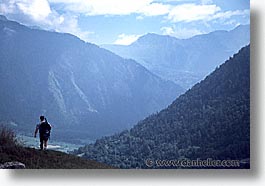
{"x":229,"y":14}
{"x":192,"y":12}
{"x":167,"y":30}
{"x":155,"y":9}
{"x":36,"y":9}
{"x":206,"y":2}
{"x":205,"y":12}
{"x":62,"y":15}
{"x":124,"y":39}
{"x":40,"y":13}
{"x":114,"y":7}
{"x":180,"y":33}
{"x":183,"y":11}
{"x":69,"y":24}
{"x":232,"y":22}
{"x":176,"y":1}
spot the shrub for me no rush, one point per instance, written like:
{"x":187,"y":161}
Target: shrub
{"x":7,"y":136}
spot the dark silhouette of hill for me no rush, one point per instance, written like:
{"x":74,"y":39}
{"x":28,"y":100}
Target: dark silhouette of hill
{"x":84,"y":91}
{"x":211,"y":120}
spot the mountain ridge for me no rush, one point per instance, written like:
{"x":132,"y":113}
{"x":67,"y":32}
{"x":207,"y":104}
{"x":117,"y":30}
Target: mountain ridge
{"x":73,"y":83}
{"x":150,"y":34}
{"x":184,"y":61}
{"x":211,"y":120}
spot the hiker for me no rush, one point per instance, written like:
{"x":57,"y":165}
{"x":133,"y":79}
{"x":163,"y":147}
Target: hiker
{"x":44,"y":129}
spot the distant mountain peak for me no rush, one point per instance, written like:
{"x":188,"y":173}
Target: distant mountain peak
{"x":147,"y":36}
{"x":240,"y":27}
{"x":184,"y":61}
{"x":152,"y":38}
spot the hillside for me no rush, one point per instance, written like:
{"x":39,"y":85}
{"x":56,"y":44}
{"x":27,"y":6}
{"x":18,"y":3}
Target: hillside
{"x":11,"y":150}
{"x":84,"y":91}
{"x":211,"y":120}
{"x":184,"y":61}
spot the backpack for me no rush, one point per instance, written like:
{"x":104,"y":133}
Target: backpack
{"x":45,"y":129}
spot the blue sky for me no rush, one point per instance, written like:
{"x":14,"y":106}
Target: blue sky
{"x":123,"y":21}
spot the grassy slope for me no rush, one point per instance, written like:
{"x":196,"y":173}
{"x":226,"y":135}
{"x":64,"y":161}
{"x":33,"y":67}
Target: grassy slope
{"x":10,"y":150}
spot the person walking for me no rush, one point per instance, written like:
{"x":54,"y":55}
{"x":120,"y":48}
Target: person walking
{"x":44,"y":129}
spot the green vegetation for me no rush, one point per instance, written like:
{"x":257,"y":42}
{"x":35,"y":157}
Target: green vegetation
{"x":11,"y":150}
{"x":211,"y":120}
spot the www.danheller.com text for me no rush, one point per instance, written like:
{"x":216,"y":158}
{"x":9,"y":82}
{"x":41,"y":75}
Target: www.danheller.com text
{"x":186,"y":163}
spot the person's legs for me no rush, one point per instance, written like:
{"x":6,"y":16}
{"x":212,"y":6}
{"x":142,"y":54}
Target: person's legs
{"x":41,"y":142}
{"x":45,"y":144}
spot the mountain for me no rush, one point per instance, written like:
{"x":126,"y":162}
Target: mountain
{"x":211,"y":120}
{"x":84,"y":90}
{"x":184,"y":61}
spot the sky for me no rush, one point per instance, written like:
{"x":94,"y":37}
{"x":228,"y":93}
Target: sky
{"x":124,"y":21}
